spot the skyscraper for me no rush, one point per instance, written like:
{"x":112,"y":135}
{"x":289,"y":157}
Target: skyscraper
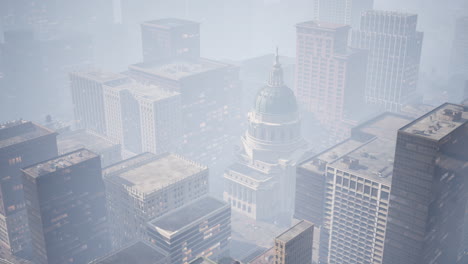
{"x":345,"y":190}
{"x":261,"y":183}
{"x":201,"y":228}
{"x":148,"y":186}
{"x":66,"y":207}
{"x":170,"y":38}
{"x":394,"y":47}
{"x":346,"y":12}
{"x":87,"y":96}
{"x":22,"y":143}
{"x":143,"y":118}
{"x":330,"y":77}
{"x":429,"y":190}
{"x":294,"y":246}
{"x":459,"y":56}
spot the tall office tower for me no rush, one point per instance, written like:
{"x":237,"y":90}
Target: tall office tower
{"x":345,"y":190}
{"x":143,"y":118}
{"x":294,"y":246}
{"x":261,"y":183}
{"x":66,"y":206}
{"x":69,"y":141}
{"x":148,"y":186}
{"x":170,"y":38}
{"x":459,"y":56}
{"x":210,"y":96}
{"x":201,"y":228}
{"x":138,"y":252}
{"x":346,"y":12}
{"x":394,"y":48}
{"x":429,"y":190}
{"x":22,"y":143}
{"x":87,"y":96}
{"x":330,"y":77}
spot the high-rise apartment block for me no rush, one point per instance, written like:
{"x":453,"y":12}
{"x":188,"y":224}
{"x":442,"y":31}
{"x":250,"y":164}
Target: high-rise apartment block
{"x":429,"y":190}
{"x":170,"y":38}
{"x":330,"y":76}
{"x":22,"y":143}
{"x":199,"y":229}
{"x":68,"y":141}
{"x":459,"y":56}
{"x":147,"y":186}
{"x":394,"y":47}
{"x":345,"y":190}
{"x":294,"y":246}
{"x":143,"y":118}
{"x":347,"y":12}
{"x":210,"y":97}
{"x":66,"y":207}
{"x":87,"y":96}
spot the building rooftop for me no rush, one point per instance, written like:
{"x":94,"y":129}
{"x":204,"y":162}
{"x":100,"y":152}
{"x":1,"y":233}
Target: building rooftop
{"x":188,"y":215}
{"x":147,"y":173}
{"x":201,"y":260}
{"x":294,"y":231}
{"x":20,"y":131}
{"x":322,"y":25}
{"x":150,"y":92}
{"x":78,"y":139}
{"x":168,"y":23}
{"x":177,"y":69}
{"x":139,"y":252}
{"x":59,"y":163}
{"x":388,"y":13}
{"x":267,"y":257}
{"x":439,"y":122}
{"x":101,"y":76}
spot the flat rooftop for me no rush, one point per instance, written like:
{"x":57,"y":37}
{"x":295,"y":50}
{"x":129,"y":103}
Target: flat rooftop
{"x":139,"y":252}
{"x":294,"y":231}
{"x":439,"y":122}
{"x":151,"y":92}
{"x":101,"y":76}
{"x":387,"y":13}
{"x":78,"y":139}
{"x":202,"y":260}
{"x":321,"y":25}
{"x":20,"y":131}
{"x":59,"y":163}
{"x":267,"y":257}
{"x":188,"y":214}
{"x":168,"y":23}
{"x":147,"y":173}
{"x":177,"y":69}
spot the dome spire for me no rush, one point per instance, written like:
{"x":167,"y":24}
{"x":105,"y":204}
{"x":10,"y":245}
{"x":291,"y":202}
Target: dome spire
{"x":276,"y":74}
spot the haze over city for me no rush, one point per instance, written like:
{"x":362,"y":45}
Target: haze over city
{"x":226,"y":132}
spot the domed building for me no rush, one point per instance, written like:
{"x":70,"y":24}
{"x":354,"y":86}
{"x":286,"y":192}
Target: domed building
{"x":261,"y":184}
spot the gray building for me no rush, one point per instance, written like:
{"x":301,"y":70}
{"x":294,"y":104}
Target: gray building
{"x":294,"y":246}
{"x":87,"y":97}
{"x":199,"y":229}
{"x":346,"y":12}
{"x":394,"y":47}
{"x":69,"y":141}
{"x":66,"y":207}
{"x":22,"y":143}
{"x":427,"y":205}
{"x":345,"y":190}
{"x":459,"y":56}
{"x":138,"y":252}
{"x":147,"y":186}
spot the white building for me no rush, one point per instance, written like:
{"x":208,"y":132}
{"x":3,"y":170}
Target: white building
{"x":261,"y":184}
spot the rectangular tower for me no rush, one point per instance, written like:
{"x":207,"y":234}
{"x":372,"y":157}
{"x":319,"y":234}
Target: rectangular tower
{"x":147,"y":186}
{"x":394,"y":47}
{"x":87,"y":96}
{"x":330,"y":77}
{"x":201,"y":228}
{"x":294,"y":246}
{"x":66,"y":206}
{"x":346,"y":12}
{"x":429,"y":189}
{"x":170,"y":38}
{"x":22,"y":143}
